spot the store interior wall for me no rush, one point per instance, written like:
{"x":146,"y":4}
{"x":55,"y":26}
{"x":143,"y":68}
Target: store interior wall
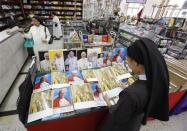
{"x":93,"y":10}
{"x":148,"y":9}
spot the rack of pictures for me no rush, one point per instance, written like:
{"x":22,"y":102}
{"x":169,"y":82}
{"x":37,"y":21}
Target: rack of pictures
{"x":70,"y":60}
{"x":78,"y":80}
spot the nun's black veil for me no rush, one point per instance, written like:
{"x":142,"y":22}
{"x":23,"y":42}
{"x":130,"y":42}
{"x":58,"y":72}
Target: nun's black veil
{"x":144,"y":51}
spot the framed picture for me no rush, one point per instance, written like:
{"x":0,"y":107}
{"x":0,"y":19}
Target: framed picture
{"x":70,"y":60}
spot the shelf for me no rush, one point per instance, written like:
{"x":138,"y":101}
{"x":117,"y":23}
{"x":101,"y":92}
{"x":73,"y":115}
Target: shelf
{"x":61,"y":18}
{"x":57,"y":14}
{"x":78,"y":1}
{"x":9,"y":3}
{"x":45,"y":7}
{"x":12,"y":9}
{"x":94,"y":45}
{"x":42,"y":4}
{"x":53,"y":10}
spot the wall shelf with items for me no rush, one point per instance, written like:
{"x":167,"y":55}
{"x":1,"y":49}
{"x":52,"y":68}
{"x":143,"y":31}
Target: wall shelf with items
{"x":11,"y":13}
{"x":65,"y":10}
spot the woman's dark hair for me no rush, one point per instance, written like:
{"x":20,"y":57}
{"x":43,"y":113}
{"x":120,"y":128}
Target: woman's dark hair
{"x":42,"y":79}
{"x":144,"y":51}
{"x":39,"y":19}
{"x":53,"y":13}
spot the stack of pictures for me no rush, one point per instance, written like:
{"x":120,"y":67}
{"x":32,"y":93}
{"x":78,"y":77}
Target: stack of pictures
{"x":107,"y":82}
{"x":59,"y":79}
{"x":78,"y":80}
{"x":120,"y":72}
{"x":89,"y":75}
{"x":40,"y":105}
{"x":82,"y":96}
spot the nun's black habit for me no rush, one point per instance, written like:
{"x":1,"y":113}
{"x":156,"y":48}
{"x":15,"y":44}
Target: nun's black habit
{"x":145,"y":97}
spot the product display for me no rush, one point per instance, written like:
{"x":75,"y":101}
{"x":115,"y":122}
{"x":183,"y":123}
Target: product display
{"x":70,"y":60}
{"x":58,"y":92}
{"x":66,"y":10}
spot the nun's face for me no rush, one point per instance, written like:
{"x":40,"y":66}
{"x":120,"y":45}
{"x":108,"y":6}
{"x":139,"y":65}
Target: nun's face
{"x":35,"y":22}
{"x":135,"y":67}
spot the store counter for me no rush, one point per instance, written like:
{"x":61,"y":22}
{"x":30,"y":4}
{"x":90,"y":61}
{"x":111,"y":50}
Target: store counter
{"x":12,"y":56}
{"x":89,"y":121}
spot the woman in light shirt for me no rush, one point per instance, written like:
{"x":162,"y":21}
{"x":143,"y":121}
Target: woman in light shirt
{"x":40,"y":35}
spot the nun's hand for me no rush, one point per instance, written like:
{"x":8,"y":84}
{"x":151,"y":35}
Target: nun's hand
{"x":123,"y":85}
{"x":21,"y":30}
{"x":107,"y":100}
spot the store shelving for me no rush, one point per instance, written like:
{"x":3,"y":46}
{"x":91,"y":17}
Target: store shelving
{"x":11,"y":13}
{"x":65,"y":10}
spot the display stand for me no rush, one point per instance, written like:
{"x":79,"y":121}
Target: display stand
{"x":85,"y":122}
{"x":89,"y":121}
{"x":68,"y":44}
{"x":101,"y":44}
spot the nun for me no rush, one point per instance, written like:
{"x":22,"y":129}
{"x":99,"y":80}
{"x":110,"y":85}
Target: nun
{"x":57,"y":29}
{"x":147,"y":97}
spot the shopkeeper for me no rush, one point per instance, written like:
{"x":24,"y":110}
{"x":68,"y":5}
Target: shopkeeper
{"x":148,"y":96}
{"x":40,"y":35}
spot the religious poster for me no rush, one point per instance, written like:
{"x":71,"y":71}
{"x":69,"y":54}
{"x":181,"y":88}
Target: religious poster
{"x":82,"y":96}
{"x":97,"y":93}
{"x":82,"y":62}
{"x":59,"y":79}
{"x":56,"y":59}
{"x":107,"y":58}
{"x":62,"y":100}
{"x":44,"y":61}
{"x":92,"y":56}
{"x":89,"y":75}
{"x":107,"y":82}
{"x":119,"y":55}
{"x":70,"y":60}
{"x":120,"y":72}
{"x":42,"y":82}
{"x":100,"y":60}
{"x":40,"y":105}
{"x":75,"y":77}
